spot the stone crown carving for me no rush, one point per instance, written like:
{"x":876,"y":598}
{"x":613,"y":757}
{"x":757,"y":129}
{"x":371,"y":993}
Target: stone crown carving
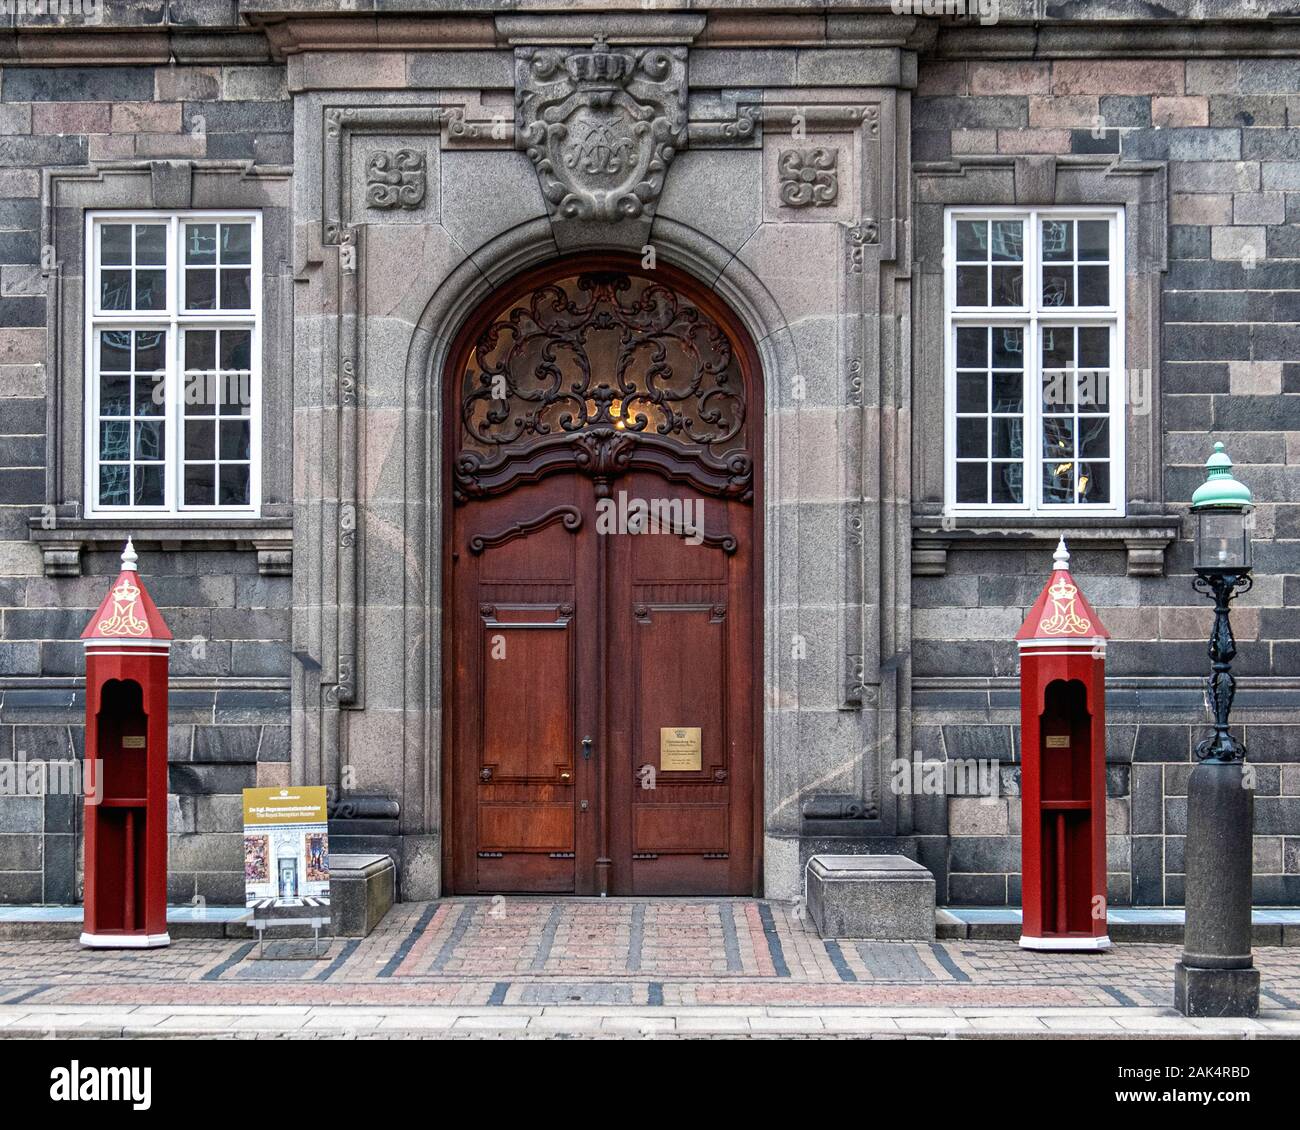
{"x":601,"y":125}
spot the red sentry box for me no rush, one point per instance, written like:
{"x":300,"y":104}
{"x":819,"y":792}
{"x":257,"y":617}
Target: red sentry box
{"x":127,"y":647}
{"x":1063,"y":768}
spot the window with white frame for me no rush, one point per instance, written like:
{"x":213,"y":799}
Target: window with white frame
{"x":173,"y":412}
{"x":1034,"y":361}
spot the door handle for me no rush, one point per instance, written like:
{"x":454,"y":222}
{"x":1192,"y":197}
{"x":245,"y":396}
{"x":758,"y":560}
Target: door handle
{"x":586,"y":749}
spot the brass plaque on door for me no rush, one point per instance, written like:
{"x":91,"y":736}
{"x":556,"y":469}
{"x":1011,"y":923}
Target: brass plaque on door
{"x":1058,"y":741}
{"x":679,"y":749}
{"x":133,"y":741}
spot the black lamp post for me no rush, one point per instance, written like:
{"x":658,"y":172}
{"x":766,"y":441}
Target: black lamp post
{"x":1216,"y":975}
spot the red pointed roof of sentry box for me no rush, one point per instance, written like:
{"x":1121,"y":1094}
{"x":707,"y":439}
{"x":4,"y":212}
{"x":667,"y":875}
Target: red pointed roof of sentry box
{"x":1061,"y":611}
{"x":127,"y":613}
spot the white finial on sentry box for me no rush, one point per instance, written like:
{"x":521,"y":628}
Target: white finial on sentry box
{"x":129,"y":557}
{"x":1061,"y":559}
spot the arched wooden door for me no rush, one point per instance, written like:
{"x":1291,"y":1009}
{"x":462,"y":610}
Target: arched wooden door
{"x":602,"y":634}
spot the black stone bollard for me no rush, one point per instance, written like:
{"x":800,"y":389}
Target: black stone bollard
{"x":1216,"y":976}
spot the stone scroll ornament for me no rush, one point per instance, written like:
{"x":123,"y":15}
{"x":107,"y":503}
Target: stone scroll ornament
{"x":808,"y":177}
{"x":395,"y":179}
{"x":601,"y":126}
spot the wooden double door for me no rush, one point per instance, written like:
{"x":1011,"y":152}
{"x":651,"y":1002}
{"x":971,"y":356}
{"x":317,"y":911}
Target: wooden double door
{"x":602,"y":646}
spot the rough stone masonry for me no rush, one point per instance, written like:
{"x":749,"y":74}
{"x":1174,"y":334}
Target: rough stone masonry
{"x":308,"y":633}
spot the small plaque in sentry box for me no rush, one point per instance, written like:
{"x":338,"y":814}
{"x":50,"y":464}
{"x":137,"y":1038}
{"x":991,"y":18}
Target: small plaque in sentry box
{"x":679,"y":749}
{"x":1058,"y":741}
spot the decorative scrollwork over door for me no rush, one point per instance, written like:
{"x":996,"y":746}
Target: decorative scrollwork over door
{"x":606,"y":371}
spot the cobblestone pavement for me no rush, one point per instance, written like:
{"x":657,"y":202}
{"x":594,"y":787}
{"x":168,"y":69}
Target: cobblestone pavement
{"x":502,"y":964}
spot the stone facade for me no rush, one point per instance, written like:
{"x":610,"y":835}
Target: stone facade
{"x":800,"y":165}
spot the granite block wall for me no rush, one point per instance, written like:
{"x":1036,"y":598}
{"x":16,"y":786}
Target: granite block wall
{"x":1230,"y":338}
{"x":189,"y":97}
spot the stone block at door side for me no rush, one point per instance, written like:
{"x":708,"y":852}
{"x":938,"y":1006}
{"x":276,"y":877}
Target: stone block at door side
{"x":877,"y":897}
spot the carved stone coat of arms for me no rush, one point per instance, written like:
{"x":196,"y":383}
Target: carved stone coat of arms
{"x":601,"y":125}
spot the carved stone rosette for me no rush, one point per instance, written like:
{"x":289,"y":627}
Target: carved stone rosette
{"x":601,"y":126}
{"x":395,"y":179}
{"x":809,"y":177}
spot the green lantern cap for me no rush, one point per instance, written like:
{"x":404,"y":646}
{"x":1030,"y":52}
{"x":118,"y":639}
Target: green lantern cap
{"x":1220,"y":489}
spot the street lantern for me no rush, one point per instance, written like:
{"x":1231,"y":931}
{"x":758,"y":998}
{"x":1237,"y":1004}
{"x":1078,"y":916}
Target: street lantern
{"x":1222,"y":506}
{"x":1222,"y":561}
{"x":1216,"y":974}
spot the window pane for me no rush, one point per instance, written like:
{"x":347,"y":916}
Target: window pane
{"x":1094,"y":437}
{"x":200,"y":290}
{"x":1058,"y":483}
{"x":1094,"y":345}
{"x":236,"y":349}
{"x":1094,"y":286}
{"x":1058,"y":240}
{"x":150,"y":351}
{"x":1094,"y":240}
{"x":200,"y":439}
{"x":235,"y":437}
{"x":236,"y":243}
{"x":150,"y":289}
{"x":972,"y":347}
{"x":200,"y":484}
{"x":972,"y":482}
{"x":1008,"y":437}
{"x":1008,"y":484}
{"x":1094,"y":482}
{"x":972,"y":286}
{"x":115,"y":394}
{"x":150,"y":394}
{"x":1008,"y":286}
{"x":200,"y":349}
{"x":115,"y":244}
{"x":1058,"y":286}
{"x":972,"y":239}
{"x":151,"y":244}
{"x":1093,"y":389}
{"x":233,"y":485}
{"x":149,"y":439}
{"x":972,"y":438}
{"x":115,"y":351}
{"x":197,"y":393}
{"x":1008,"y":347}
{"x":1058,"y":437}
{"x":114,"y":484}
{"x":149,"y":485}
{"x":1008,"y":392}
{"x":236,"y":290}
{"x":1008,"y":240}
{"x":115,"y":290}
{"x":115,"y":439}
{"x":201,"y":244}
{"x":1058,"y":347}
{"x":972,"y":392}
{"x":234,"y":394}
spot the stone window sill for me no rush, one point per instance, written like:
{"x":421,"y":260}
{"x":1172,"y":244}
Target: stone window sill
{"x":1144,"y":537}
{"x":63,"y":544}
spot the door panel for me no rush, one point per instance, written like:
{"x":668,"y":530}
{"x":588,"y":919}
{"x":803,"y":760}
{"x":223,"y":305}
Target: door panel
{"x":574,"y":650}
{"x":680,"y":611}
{"x":524,"y":646}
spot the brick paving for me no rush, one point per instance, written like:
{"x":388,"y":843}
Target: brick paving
{"x":494,"y":962}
